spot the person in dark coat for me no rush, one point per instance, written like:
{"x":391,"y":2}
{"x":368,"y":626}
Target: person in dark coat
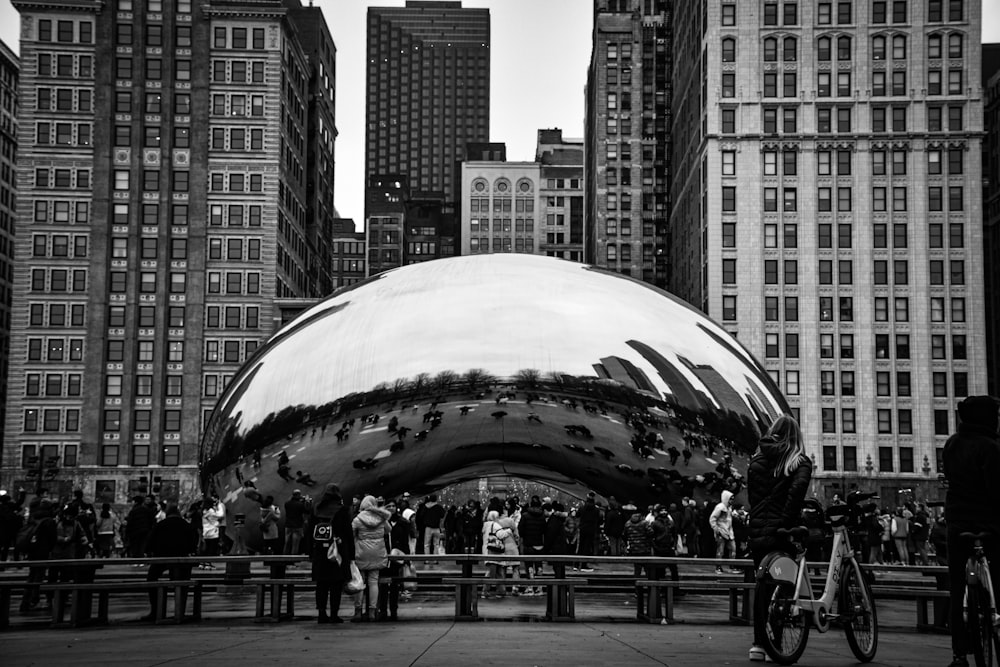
{"x":42,"y":544}
{"x":10,"y":521}
{"x":400,"y":531}
{"x":330,"y":521}
{"x":590,"y":526}
{"x":971,"y":466}
{"x":173,"y":537}
{"x":614,"y":524}
{"x":777,"y":481}
{"x":531,"y":528}
{"x":138,"y":523}
{"x":555,"y":529}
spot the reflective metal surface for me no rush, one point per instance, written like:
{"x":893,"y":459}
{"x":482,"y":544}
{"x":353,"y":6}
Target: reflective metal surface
{"x":492,"y":364}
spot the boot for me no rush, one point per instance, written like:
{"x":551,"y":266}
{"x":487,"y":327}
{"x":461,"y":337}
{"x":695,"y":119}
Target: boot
{"x":372,"y":613}
{"x":323,"y":617}
{"x":359,"y":615}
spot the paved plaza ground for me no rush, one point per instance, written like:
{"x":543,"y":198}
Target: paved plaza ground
{"x":512,"y":635}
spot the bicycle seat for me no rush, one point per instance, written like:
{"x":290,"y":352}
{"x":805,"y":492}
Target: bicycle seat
{"x":976,"y":536}
{"x":798,"y":532}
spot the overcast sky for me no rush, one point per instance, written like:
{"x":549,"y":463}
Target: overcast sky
{"x":540,"y":50}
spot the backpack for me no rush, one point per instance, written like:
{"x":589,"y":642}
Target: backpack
{"x":26,"y":537}
{"x":494,"y":544}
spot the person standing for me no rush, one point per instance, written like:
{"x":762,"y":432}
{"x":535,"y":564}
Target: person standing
{"x":138,"y":523}
{"x":532,"y":531}
{"x":614,"y":525}
{"x":777,"y":481}
{"x":106,"y":527}
{"x":433,"y":520}
{"x":590,"y":526}
{"x":330,"y":523}
{"x":43,"y":541}
{"x":212,"y":517}
{"x":371,"y":549}
{"x":900,"y":530}
{"x":971,"y":467}
{"x":173,"y":537}
{"x":721,"y":521}
{"x":10,"y":521}
{"x":399,"y":544}
{"x":296,"y":509}
{"x":269,"y":516}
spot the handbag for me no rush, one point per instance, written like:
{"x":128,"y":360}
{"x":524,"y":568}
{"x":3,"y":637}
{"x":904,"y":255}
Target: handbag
{"x":333,"y":554}
{"x":409,"y":572}
{"x":356,"y":584}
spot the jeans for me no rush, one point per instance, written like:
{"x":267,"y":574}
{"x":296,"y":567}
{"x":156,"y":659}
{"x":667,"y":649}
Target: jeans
{"x":904,"y":556}
{"x":371,"y":586}
{"x":176,"y":572}
{"x":293,"y":538}
{"x":432,"y":540}
{"x":722,"y":544}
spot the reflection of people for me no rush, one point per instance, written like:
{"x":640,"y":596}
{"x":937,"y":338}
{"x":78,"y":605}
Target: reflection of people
{"x":971,"y":466}
{"x":212,"y":517}
{"x":777,"y":480}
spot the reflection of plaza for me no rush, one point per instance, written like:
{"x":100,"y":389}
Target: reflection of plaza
{"x":528,"y":366}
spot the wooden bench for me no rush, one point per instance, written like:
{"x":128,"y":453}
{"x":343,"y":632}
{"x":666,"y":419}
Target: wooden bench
{"x":77,"y":597}
{"x":277,"y":589}
{"x":739,"y":591}
{"x":7,"y":589}
{"x":923,"y":595}
{"x":560,"y":602}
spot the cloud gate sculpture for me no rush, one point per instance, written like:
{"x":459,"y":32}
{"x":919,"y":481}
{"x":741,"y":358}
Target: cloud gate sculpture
{"x":469,"y":367}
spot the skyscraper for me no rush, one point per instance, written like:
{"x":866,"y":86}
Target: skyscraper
{"x":628,"y":141}
{"x":428,"y":91}
{"x":168,"y":198}
{"x":9,"y":66}
{"x":827,"y":210}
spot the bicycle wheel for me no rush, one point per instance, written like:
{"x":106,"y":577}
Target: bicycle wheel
{"x":979,"y":626}
{"x":858,"y":612}
{"x":782,"y":632}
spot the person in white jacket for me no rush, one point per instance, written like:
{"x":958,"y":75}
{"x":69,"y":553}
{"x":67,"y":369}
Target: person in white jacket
{"x":212,"y":520}
{"x":721,"y":521}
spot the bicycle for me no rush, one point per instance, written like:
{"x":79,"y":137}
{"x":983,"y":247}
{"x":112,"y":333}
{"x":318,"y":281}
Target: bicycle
{"x":784,"y":606}
{"x":979,"y":604}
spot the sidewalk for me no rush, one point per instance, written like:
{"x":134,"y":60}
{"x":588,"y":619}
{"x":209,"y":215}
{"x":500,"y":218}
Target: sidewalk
{"x":437,"y":644}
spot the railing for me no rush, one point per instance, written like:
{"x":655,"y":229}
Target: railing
{"x":275,"y":584}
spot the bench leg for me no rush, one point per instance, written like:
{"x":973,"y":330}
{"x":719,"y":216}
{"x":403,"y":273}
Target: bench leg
{"x":653,"y":605}
{"x":922,"y":614}
{"x":259,"y":614}
{"x":5,"y":597}
{"x":102,"y":607}
{"x":196,"y":604}
{"x":669,"y":597}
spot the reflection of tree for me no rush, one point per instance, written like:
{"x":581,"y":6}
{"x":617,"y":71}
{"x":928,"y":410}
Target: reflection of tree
{"x":528,"y":377}
{"x":477,"y":378}
{"x":444,"y":380}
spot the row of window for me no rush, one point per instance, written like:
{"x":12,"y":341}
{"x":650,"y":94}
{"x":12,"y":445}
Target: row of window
{"x":237,"y":105}
{"x":234,"y":282}
{"x":170,"y":455}
{"x":845,"y":198}
{"x":520,"y":225}
{"x":939,"y":45}
{"x":842,"y":12}
{"x":179,"y":180}
{"x":52,"y":384}
{"x":837,"y":120}
{"x":55,"y":349}
{"x":152,"y":103}
{"x":58,"y":280}
{"x":155,"y":6}
{"x":237,"y":139}
{"x":229,"y":351}
{"x":238,"y":38}
{"x":789,"y":84}
{"x":840,"y":162}
{"x":51,"y":420}
{"x":845,"y":309}
{"x":148,"y":248}
{"x":506,"y":204}
{"x":152,"y":136}
{"x":789,"y":272}
{"x":65,"y":65}
{"x":153,"y":69}
{"x":62,"y":212}
{"x":843,"y":238}
{"x":238,"y":71}
{"x":53,"y":315}
{"x":883,"y":350}
{"x":148,"y":282}
{"x":505,"y":244}
{"x":173,"y":385}
{"x":65,"y":99}
{"x":900,"y":312}
{"x":939,"y":384}
{"x":146,"y":318}
{"x":235,"y":182}
{"x":126,"y":34}
{"x":235,"y":215}
{"x":232,"y":317}
{"x":66,"y":32}
{"x":171,"y":420}
{"x":63,"y":134}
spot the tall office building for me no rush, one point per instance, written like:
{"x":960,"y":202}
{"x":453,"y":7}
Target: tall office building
{"x":991,"y":211}
{"x":627,"y":136}
{"x":828,"y":212}
{"x":175,"y":166}
{"x":9,"y":66}
{"x":428,"y":91}
{"x":561,"y":195}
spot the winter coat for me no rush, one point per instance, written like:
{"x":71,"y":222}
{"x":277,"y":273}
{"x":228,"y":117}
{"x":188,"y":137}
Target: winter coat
{"x":972,"y":465}
{"x":920,"y":526}
{"x":900,"y":527}
{"x":269,"y":522}
{"x":721,"y":519}
{"x":664,"y":539}
{"x":638,"y":537}
{"x":331,"y":518}
{"x":590,"y":518}
{"x":211,"y":519}
{"x":775,"y":501}
{"x":138,"y":522}
{"x":572,"y":530}
{"x":614,"y":521}
{"x":532,"y":529}
{"x":371,"y":530}
{"x":71,"y":538}
{"x":172,"y":537}
{"x":555,"y":534}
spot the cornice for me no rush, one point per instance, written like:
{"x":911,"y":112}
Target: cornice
{"x":50,"y":6}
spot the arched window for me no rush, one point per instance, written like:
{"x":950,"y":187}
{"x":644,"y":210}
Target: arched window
{"x":729,"y":50}
{"x":823,"y":48}
{"x":899,"y":47}
{"x":878,"y":47}
{"x":790,"y":50}
{"x":934,"y":46}
{"x":955,"y":45}
{"x":770,"y":50}
{"x":843,"y":48}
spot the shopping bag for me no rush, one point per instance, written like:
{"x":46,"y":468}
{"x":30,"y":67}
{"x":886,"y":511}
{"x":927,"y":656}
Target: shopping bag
{"x":332,"y":553}
{"x":356,"y":584}
{"x":409,"y":572}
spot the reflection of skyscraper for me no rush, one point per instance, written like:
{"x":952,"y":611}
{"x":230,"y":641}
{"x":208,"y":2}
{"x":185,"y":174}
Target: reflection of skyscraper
{"x":684,"y":393}
{"x":721,"y":390}
{"x":624,"y":371}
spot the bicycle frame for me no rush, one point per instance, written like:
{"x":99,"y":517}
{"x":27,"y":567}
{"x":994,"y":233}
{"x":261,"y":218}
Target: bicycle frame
{"x":784,"y":568}
{"x":977,"y":571}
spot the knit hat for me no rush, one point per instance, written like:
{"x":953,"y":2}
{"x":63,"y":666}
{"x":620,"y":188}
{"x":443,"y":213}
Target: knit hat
{"x":979,"y":410}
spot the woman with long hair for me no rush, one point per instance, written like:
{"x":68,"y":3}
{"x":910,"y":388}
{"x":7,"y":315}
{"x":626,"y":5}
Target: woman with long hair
{"x":777,"y":481}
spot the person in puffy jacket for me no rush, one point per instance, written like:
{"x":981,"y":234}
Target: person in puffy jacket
{"x":777,"y":481}
{"x":371,"y":549}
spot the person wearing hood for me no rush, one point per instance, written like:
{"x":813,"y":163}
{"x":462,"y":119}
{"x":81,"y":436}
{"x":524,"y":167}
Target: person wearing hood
{"x":971,"y":466}
{"x":721,"y":521}
{"x":777,"y":481}
{"x":371,"y":551}
{"x":330,"y":522}
{"x":555,"y":528}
